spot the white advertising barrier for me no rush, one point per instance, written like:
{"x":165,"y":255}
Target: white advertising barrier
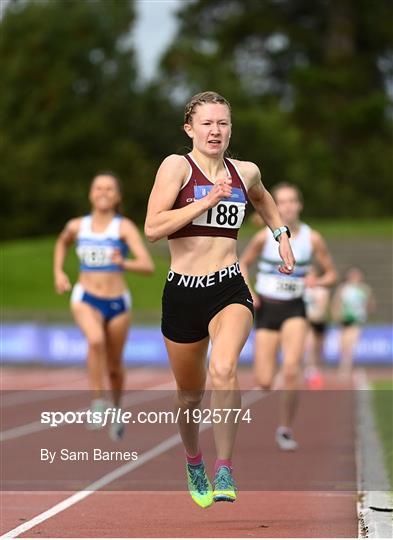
{"x":26,"y":342}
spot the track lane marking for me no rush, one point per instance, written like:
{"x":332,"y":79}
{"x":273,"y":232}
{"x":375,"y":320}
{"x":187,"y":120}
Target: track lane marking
{"x":155,"y":451}
{"x":21,"y":396}
{"x":35,"y":427}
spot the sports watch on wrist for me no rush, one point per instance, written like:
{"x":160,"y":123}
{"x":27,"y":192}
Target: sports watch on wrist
{"x":278,"y":232}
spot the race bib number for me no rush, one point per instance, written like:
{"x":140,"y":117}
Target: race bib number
{"x":228,"y":213}
{"x":289,"y":286}
{"x":95,"y":256}
{"x":277,"y":286}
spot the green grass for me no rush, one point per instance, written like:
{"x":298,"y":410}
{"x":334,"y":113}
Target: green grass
{"x":383,"y":408}
{"x":27,"y":280}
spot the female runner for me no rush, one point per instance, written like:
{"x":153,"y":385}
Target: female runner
{"x":100,"y":300}
{"x":198,"y":202}
{"x":317,"y":300}
{"x":280,"y":311}
{"x":352,"y":303}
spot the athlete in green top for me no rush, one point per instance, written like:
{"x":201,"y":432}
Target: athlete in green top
{"x":352,"y":303}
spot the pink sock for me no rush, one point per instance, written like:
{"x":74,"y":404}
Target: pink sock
{"x":222,"y":462}
{"x":194,"y":460}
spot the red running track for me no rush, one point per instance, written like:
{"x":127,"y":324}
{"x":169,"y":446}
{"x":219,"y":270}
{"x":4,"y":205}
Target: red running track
{"x":309,"y":493}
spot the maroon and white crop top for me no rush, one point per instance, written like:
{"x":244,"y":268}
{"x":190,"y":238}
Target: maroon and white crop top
{"x":225,"y":218}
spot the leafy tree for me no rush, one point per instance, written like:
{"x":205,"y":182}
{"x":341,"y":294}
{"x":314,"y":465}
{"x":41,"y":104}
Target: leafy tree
{"x":68,"y":109}
{"x":308,"y":80}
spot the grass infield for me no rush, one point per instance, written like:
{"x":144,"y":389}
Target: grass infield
{"x":28,"y":291}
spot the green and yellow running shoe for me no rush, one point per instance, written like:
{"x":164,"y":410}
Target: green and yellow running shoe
{"x":199,"y":485}
{"x":224,"y":485}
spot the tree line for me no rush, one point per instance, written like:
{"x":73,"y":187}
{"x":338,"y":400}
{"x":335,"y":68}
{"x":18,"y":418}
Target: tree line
{"x":310,"y":83}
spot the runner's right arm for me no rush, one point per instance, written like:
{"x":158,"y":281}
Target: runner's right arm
{"x":63,"y":242}
{"x":161,"y":219}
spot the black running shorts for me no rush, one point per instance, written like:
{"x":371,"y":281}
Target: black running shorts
{"x":318,"y":327}
{"x":271,"y":314}
{"x":190,"y":302}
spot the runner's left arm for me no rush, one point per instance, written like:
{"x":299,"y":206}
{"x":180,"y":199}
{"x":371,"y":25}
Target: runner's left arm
{"x":264,"y":204}
{"x":324,"y":259}
{"x":141,"y":263}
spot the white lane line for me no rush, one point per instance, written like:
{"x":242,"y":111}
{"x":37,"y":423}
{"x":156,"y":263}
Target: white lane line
{"x":164,"y":446}
{"x":35,"y":427}
{"x":22,"y":396}
{"x":8,"y":386}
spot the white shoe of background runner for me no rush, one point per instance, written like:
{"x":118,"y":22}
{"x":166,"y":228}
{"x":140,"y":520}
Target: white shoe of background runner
{"x":97,"y":405}
{"x":285,"y":440}
{"x":116,"y":431}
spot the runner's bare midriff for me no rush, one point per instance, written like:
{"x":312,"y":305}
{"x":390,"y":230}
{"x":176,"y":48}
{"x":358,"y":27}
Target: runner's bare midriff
{"x":103,"y":284}
{"x":201,"y":255}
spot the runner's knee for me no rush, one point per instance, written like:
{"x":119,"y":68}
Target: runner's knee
{"x":222,"y":373}
{"x":265,"y":384}
{"x":189,"y":399}
{"x":115,"y":372}
{"x":290,"y":373}
{"x":96,"y":342}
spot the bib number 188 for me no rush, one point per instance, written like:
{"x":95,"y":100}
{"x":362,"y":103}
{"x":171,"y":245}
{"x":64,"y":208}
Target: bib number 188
{"x":228,"y":215}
